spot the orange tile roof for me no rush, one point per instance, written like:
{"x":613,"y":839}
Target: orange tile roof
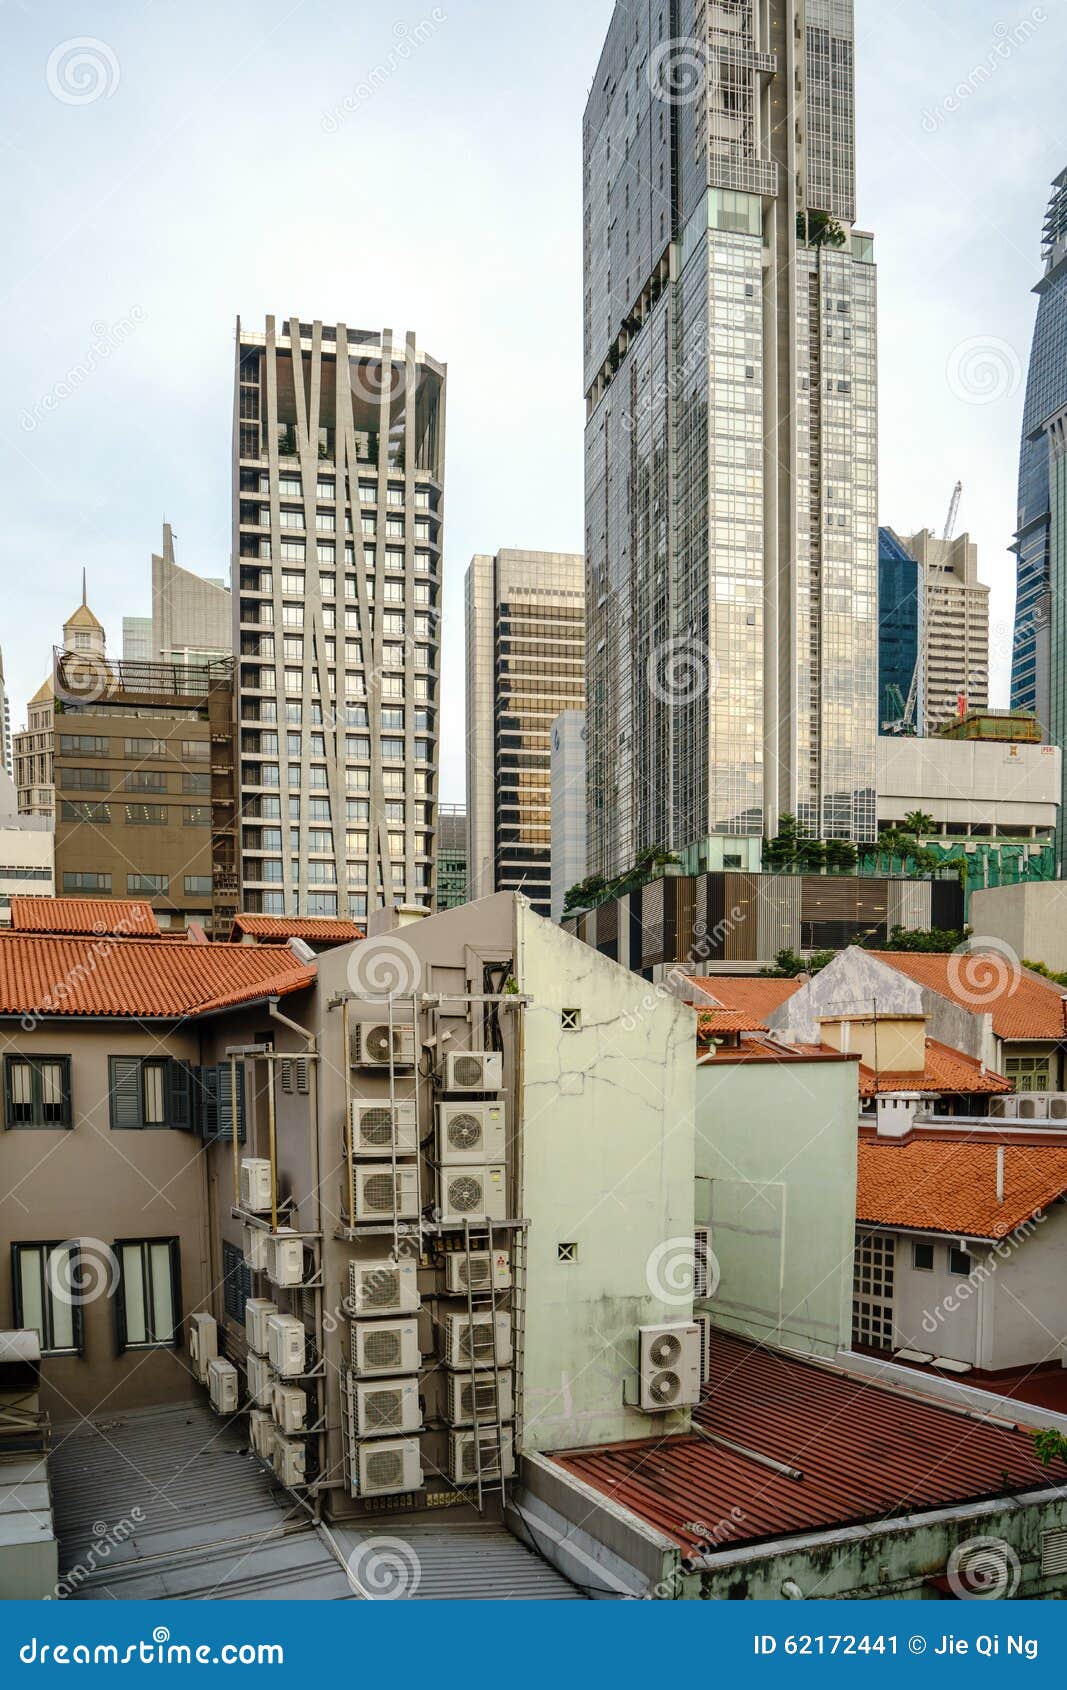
{"x":747,"y":995}
{"x":316,"y":930}
{"x":713,"y":1021}
{"x":946,"y":1070}
{"x":118,"y":917}
{"x":1022,"y":1004}
{"x":950,"y":1185}
{"x":143,"y":978}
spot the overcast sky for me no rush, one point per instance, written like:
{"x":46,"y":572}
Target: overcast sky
{"x":236,"y":159}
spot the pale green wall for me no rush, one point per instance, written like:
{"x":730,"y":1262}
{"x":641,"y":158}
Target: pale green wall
{"x":608,"y":1164}
{"x":776,"y":1181}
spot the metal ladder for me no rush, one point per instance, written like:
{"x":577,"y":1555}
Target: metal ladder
{"x":482,"y":1350}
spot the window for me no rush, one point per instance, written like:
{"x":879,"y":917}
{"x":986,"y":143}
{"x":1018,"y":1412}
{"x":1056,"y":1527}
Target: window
{"x":37,"y":1091}
{"x":872,"y":1306}
{"x":86,"y":880}
{"x":960,"y":1263}
{"x":148,"y":1300}
{"x":146,"y":780}
{"x":196,"y":783}
{"x":86,"y":780}
{"x":198,"y":815}
{"x":83,"y":745}
{"x":150,"y":1092}
{"x":1030,"y":1073}
{"x":236,"y":1282}
{"x":147,"y":885}
{"x":146,"y":815}
{"x":146,"y":748}
{"x":43,"y":1279}
{"x":198,"y":886}
{"x":922,"y":1257}
{"x":97,"y":815}
{"x":196,"y":750}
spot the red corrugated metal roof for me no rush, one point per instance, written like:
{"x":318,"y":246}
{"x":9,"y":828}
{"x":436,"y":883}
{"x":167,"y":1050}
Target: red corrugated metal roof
{"x":864,"y":1452}
{"x":144,"y":978}
{"x":116,"y":917}
{"x":315,"y":930}
{"x":1023,"y":1005}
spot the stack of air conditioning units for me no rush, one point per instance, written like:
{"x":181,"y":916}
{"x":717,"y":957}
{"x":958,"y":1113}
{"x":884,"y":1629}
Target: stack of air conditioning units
{"x":472,"y":1139}
{"x":478,"y":1354}
{"x":258,"y":1311}
{"x":384,"y":1403}
{"x":384,"y":1133}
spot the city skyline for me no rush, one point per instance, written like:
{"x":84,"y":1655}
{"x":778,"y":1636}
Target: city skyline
{"x":954,"y":306}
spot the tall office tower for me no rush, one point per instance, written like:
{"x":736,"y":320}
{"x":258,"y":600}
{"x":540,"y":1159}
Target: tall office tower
{"x":955,"y":628}
{"x":451,"y":856}
{"x":1040,"y":573}
{"x":525,"y":663}
{"x":568,"y":806}
{"x":6,"y":754}
{"x":339,"y":441}
{"x":731,"y":444}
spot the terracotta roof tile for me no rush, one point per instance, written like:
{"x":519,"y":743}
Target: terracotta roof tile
{"x":316,"y":930}
{"x":865,"y":1452}
{"x":118,"y":917}
{"x":143,"y":978}
{"x":1023,"y":1004}
{"x":950,"y":1185}
{"x":713,"y":1021}
{"x":744,"y":994}
{"x":946,"y":1071}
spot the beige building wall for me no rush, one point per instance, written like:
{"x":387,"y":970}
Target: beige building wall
{"x":956,"y":608}
{"x":892,"y":1044}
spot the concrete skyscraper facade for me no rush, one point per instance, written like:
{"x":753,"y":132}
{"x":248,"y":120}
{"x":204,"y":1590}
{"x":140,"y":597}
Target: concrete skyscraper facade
{"x":525,"y":663}
{"x":338,"y":507}
{"x":731,"y":439}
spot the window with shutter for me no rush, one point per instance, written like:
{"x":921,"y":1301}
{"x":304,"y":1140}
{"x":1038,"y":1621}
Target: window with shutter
{"x":214,"y":1086}
{"x":37,"y":1091}
{"x":150,"y":1093}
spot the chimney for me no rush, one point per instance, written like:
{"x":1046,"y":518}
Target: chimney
{"x":1000,"y":1173}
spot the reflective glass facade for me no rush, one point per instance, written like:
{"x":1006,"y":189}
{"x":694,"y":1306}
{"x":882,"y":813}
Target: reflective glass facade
{"x":1046,"y":396}
{"x":731,"y":434}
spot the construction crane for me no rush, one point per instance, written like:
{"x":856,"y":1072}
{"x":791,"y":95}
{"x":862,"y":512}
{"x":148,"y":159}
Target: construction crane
{"x":906,"y":725}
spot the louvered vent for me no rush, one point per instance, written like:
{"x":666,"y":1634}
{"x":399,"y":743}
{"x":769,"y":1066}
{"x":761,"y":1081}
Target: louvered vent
{"x":1053,"y":1553}
{"x":382,"y":1349}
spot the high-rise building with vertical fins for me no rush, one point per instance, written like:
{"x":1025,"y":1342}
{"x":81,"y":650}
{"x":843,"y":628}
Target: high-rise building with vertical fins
{"x":731,"y":435}
{"x":1046,"y":401}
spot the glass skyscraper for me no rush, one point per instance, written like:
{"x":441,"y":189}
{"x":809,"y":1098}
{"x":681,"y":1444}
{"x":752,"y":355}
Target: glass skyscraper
{"x":731,"y":443}
{"x":1046,"y":398}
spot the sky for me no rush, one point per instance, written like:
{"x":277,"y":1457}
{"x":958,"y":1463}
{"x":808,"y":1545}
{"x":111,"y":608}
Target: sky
{"x":419,"y":167}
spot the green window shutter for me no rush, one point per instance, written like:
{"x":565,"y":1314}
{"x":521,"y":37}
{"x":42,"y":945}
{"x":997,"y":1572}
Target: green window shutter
{"x":125,"y":1084}
{"x":207,"y":1080}
{"x":225,"y":1090}
{"x":179,"y":1084}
